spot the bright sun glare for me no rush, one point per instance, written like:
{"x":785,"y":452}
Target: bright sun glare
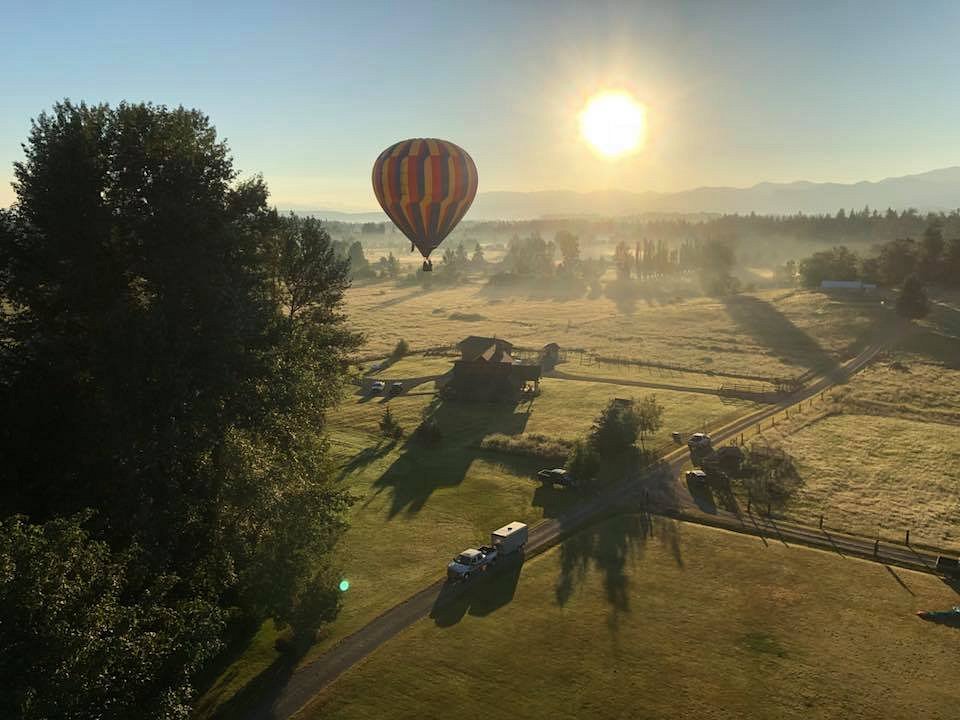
{"x":613,"y":123}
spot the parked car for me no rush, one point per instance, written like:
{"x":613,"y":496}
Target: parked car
{"x":699,"y":441}
{"x":696,"y":477}
{"x":556,"y":476}
{"x":377,"y":387}
{"x":396,"y":388}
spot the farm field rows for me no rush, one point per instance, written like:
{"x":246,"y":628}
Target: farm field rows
{"x":665,"y":619}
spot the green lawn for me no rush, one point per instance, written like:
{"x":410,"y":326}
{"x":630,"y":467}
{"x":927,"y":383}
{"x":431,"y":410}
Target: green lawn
{"x":671,"y":620}
{"x":414,"y":366}
{"x":452,"y":493}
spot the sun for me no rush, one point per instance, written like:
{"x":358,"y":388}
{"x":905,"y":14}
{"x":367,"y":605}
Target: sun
{"x":613,"y":123}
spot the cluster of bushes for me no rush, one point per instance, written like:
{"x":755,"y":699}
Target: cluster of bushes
{"x":617,"y":429}
{"x":905,"y":263}
{"x":543,"y":447}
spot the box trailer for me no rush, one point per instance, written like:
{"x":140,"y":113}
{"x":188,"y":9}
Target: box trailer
{"x":509,"y":538}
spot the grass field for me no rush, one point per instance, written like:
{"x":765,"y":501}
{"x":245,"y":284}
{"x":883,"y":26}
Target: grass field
{"x":414,"y":366}
{"x":633,"y":620}
{"x":453,"y":494}
{"x":883,"y":455}
{"x":773,"y":333}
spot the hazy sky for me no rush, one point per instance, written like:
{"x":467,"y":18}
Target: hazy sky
{"x":309,"y":93}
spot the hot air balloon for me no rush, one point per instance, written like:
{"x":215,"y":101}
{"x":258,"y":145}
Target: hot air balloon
{"x":425,"y":186}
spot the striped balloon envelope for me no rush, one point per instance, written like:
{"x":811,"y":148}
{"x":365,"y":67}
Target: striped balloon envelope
{"x":425,"y":186}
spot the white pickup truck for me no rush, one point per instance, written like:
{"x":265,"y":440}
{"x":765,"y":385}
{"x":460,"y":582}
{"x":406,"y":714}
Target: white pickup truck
{"x":504,"y":541}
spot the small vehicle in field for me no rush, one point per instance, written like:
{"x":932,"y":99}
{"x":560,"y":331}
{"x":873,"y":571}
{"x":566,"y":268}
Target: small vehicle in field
{"x":504,"y":541}
{"x":396,"y":388}
{"x":557,"y":476}
{"x":377,"y":387}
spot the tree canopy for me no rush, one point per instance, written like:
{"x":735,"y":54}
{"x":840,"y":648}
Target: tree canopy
{"x":168,"y":347}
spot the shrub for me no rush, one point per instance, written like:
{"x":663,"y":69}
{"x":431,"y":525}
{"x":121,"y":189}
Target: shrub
{"x":401,"y":349}
{"x":770,"y":477}
{"x":912,"y":302}
{"x":529,"y":444}
{"x":389,"y":427}
{"x":583,"y":462}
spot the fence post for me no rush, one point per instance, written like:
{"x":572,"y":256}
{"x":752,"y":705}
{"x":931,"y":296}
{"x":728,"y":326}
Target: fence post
{"x":821,"y":521}
{"x":876,"y":547}
{"x":908,"y":536}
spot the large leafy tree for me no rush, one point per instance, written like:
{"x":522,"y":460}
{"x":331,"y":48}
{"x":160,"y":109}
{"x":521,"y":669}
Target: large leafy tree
{"x":168,"y":347}
{"x":85,"y":634}
{"x":838,"y":263}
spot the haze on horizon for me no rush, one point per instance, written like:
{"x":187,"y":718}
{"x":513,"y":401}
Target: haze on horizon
{"x":309,"y":93}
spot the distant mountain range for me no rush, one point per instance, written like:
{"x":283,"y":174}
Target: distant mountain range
{"x":934,"y":190}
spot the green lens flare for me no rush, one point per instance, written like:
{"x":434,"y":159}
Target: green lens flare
{"x":344,"y":585}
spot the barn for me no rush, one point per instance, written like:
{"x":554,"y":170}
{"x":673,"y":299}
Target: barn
{"x":487,"y":369}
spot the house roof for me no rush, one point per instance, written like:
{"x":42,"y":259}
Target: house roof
{"x":476,"y":347}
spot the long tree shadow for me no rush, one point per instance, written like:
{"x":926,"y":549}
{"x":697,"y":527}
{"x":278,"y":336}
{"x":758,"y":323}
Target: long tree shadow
{"x":626,"y":293}
{"x":559,"y":289}
{"x":366,"y":456}
{"x":611,"y":547}
{"x":256,"y":697}
{"x":426,"y":466}
{"x":772,"y":329}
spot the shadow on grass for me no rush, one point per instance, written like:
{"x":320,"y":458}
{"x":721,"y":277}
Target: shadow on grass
{"x":626,"y":293}
{"x":950,"y":619}
{"x":558,"y":289}
{"x":424,"y":467}
{"x":256,"y":697}
{"x":934,"y":346}
{"x":774,"y":330}
{"x":703,"y":496}
{"x":400,"y":299}
{"x":610,"y":548}
{"x":480,"y":596}
{"x":366,"y":456}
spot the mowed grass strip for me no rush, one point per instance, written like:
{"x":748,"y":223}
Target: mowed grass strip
{"x":631,"y":619}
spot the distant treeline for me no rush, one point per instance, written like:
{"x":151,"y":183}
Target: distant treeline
{"x":933,"y":257}
{"x":851,"y":227}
